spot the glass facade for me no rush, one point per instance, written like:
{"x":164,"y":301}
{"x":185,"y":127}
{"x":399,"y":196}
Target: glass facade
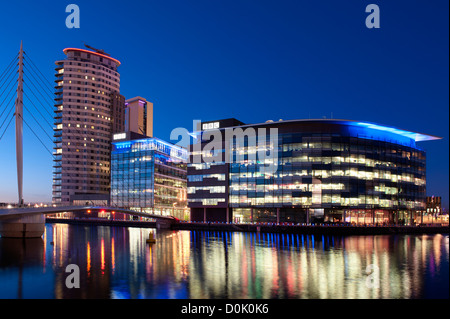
{"x":149,"y":175}
{"x":327,"y":171}
{"x":333,"y":173}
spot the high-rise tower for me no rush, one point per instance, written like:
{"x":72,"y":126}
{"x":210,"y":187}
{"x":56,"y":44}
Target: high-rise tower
{"x":139,"y":116}
{"x":88,"y":110}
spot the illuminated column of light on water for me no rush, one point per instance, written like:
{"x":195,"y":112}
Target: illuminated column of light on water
{"x":88,"y":259}
{"x":113,"y":256}
{"x":244,"y":267}
{"x":102,"y":256}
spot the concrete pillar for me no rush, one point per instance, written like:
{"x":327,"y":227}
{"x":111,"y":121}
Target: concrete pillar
{"x":373,"y":216}
{"x":278,"y":215}
{"x":228,"y":214}
{"x":204,"y":214}
{"x":343,"y":216}
{"x":30,"y":226}
{"x":251,"y":215}
{"x":307,"y":216}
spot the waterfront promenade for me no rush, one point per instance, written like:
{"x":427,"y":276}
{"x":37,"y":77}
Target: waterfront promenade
{"x":318,"y":229}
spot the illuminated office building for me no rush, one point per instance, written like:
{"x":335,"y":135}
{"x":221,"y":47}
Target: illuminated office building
{"x":326,"y":171}
{"x":148,"y":175}
{"x":433,"y":204}
{"x":88,"y":110}
{"x":433,"y":212}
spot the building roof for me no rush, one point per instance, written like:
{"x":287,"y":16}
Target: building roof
{"x":137,"y":98}
{"x":417,"y":137}
{"x":93,"y":52}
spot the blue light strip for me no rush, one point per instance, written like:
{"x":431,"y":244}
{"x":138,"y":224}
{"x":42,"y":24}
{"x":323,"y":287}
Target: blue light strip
{"x":387,"y":130}
{"x":418,"y":137}
{"x":155,"y":144}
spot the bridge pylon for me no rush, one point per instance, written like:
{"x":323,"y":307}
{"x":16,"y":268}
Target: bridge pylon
{"x":19,"y":127}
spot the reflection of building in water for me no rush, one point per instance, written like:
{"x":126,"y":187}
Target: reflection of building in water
{"x":116,"y":262}
{"x":296,"y":266}
{"x":169,"y":262}
{"x":86,"y":247}
{"x":17,"y":259}
{"x":150,"y":269}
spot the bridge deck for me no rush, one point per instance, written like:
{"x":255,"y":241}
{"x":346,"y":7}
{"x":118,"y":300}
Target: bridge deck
{"x":28,"y":211}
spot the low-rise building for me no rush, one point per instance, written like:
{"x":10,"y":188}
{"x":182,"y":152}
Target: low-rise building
{"x":148,"y":175}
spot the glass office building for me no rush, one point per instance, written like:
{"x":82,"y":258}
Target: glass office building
{"x":321,"y":171}
{"x":148,"y":175}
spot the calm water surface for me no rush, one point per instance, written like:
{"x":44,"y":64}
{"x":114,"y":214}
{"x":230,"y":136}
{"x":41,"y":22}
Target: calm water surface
{"x":116,"y":262}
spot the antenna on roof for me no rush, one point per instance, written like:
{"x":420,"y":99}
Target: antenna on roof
{"x":96,"y":50}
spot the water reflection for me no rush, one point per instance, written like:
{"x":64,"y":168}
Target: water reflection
{"x":19,"y":256}
{"x":118,"y":263}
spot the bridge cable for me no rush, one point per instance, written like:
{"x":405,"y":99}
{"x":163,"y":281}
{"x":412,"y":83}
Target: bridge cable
{"x":51,"y":140}
{"x":44,"y":108}
{"x":6,"y":107}
{"x":9,"y":113}
{"x":46,"y":85}
{"x":11,"y":96}
{"x":26,"y":74}
{"x":37,"y":137}
{"x":8,"y":67}
{"x":37,"y":109}
{"x":6,"y":96}
{"x":8,"y":78}
{"x":45,"y":99}
{"x":7,"y":127}
{"x":47,"y":82}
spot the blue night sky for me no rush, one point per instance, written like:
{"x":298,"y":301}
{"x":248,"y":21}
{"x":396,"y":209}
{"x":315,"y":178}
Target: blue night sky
{"x":252,"y":60}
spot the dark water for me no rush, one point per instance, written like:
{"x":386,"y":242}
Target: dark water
{"x":117,"y":263}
